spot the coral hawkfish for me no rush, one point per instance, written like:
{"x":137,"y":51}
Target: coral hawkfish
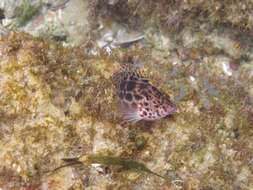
{"x":138,"y":99}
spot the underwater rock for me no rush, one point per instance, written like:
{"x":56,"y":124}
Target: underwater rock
{"x":58,"y":102}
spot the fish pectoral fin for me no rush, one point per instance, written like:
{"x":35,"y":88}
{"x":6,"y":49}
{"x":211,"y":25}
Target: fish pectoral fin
{"x":129,"y":113}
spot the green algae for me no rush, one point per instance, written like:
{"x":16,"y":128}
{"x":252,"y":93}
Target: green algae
{"x":25,"y":12}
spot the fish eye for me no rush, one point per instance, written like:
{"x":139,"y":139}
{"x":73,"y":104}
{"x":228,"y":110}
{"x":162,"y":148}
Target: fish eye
{"x":128,"y":97}
{"x":130,"y":85}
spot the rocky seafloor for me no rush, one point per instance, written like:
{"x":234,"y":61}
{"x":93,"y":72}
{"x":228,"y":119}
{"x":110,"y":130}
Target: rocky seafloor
{"x":59,"y":123}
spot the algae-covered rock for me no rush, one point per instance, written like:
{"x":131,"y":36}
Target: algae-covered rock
{"x":59,"y":103}
{"x":175,"y":15}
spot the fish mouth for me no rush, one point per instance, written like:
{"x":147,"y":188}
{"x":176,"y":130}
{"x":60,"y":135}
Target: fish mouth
{"x":176,"y":110}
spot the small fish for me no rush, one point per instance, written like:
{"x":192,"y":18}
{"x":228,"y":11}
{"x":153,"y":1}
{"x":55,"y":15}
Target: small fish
{"x":138,"y":99}
{"x":125,"y":164}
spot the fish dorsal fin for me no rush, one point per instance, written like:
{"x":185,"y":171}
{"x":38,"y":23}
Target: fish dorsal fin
{"x":132,"y":67}
{"x":129,"y":71}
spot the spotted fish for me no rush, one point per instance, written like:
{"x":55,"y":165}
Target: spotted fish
{"x":140,"y":100}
